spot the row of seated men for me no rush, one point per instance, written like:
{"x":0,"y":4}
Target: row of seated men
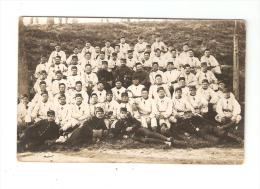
{"x":155,"y":118}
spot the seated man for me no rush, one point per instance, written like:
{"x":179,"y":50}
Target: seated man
{"x":193,"y":62}
{"x":55,"y":53}
{"x":123,"y":73}
{"x":199,"y":105}
{"x":135,"y":89}
{"x":55,"y":67}
{"x":204,"y":73}
{"x":22,"y":110}
{"x":209,"y":94}
{"x":91,"y":130}
{"x":75,"y":62}
{"x":155,"y":71}
{"x":42,"y":77}
{"x":94,"y":104}
{"x":145,"y":108}
{"x":79,"y":113}
{"x":128,"y":126}
{"x":105,"y":76}
{"x":142,"y":75}
{"x":63,"y":112}
{"x":73,"y":78}
{"x":110,"y":108}
{"x":118,"y":90}
{"x":153,"y":94}
{"x":108,"y":50}
{"x":100,"y":92}
{"x":78,"y":90}
{"x":181,"y":107}
{"x":113,"y":62}
{"x":41,"y":131}
{"x":172,"y":75}
{"x":77,"y":53}
{"x":190,"y":78}
{"x":40,"y":110}
{"x":42,"y":66}
{"x":147,"y":61}
{"x":56,"y":82}
{"x":130,"y":60}
{"x":228,"y":110}
{"x":162,"y":110}
{"x":160,"y":59}
{"x":89,"y":78}
{"x":211,"y":61}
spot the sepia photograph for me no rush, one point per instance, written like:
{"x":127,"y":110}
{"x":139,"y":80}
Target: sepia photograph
{"x":131,"y":90}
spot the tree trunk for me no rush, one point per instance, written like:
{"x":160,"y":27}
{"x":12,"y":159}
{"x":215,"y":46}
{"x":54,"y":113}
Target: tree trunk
{"x":50,"y":21}
{"x":66,"y":20}
{"x":60,"y":21}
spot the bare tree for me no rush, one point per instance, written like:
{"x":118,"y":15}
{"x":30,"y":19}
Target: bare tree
{"x":36,"y":20}
{"x":60,"y":20}
{"x":74,"y":21}
{"x":50,"y":21}
{"x":31,"y":20}
{"x":66,"y":20}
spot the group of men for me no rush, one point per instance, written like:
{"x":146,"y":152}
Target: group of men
{"x":142,"y":90}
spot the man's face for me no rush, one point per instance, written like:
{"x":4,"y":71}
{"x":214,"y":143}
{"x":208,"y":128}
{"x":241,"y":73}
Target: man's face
{"x":155,"y":67}
{"x":88,"y":44}
{"x":117,"y":48}
{"x":191,"y":53}
{"x":102,"y":56}
{"x":62,"y":88}
{"x":74,"y":61}
{"x":139,"y":67}
{"x":123,"y":114}
{"x":173,"y":54}
{"x":221,"y":86}
{"x":94,"y":99}
{"x":74,"y":71}
{"x":146,"y":56}
{"x":43,"y":76}
{"x":122,"y":40}
{"x":109,"y":97}
{"x":79,"y":100}
{"x":44,"y":98}
{"x":123,"y":62}
{"x":58,"y":76}
{"x":99,"y":115}
{"x":104,"y":66}
{"x":57,"y":60}
{"x":130,"y":55}
{"x":43,"y":87}
{"x":76,"y":51}
{"x":169,"y":67}
{"x":192,"y":91}
{"x":107,"y":44}
{"x":161,"y":93}
{"x":88,"y":69}
{"x":25,"y":100}
{"x":207,"y":53}
{"x":158,"y":80}
{"x":205,"y":85}
{"x":157,"y":39}
{"x":178,"y":93}
{"x":145,"y":94}
{"x":187,"y":70}
{"x":226,"y":95}
{"x":51,"y":118}
{"x":204,"y":68}
{"x":100,"y":86}
{"x":158,"y":53}
{"x":124,"y":98}
{"x":88,"y":56}
{"x":62,"y":100}
{"x":97,"y":49}
{"x":135,"y":81}
{"x":140,"y":40}
{"x":43,"y":59}
{"x":78,"y":87}
{"x":118,"y":84}
{"x":182,"y":83}
{"x":185,"y":48}
{"x":57,"y":48}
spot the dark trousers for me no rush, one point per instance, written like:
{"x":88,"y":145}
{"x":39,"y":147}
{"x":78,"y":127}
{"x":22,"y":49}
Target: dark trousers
{"x":80,"y":135}
{"x":147,"y":136}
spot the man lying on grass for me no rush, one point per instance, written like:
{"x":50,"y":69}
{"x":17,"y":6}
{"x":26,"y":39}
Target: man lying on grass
{"x":127,"y":126}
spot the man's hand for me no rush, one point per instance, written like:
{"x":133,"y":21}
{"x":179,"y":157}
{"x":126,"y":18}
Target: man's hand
{"x":128,"y":129}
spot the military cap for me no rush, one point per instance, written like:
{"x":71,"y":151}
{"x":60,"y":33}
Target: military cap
{"x":50,"y":113}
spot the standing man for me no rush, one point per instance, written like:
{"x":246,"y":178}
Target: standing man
{"x":55,"y":53}
{"x":212,"y":62}
{"x":140,"y":48}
